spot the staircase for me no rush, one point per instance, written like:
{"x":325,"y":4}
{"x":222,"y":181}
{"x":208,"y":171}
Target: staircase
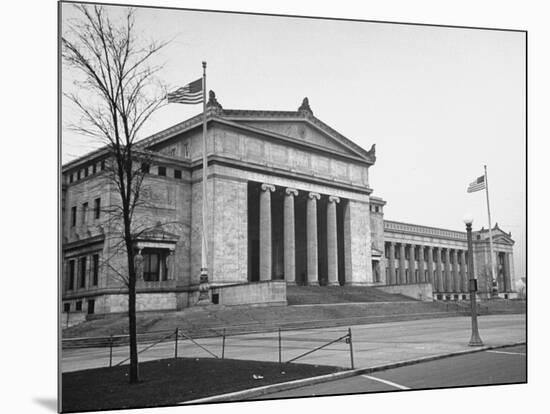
{"x":309,"y":295}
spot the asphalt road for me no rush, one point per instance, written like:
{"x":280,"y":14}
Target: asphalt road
{"x":499,"y":366}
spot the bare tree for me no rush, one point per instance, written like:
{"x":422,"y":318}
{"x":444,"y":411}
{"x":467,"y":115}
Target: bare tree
{"x":116,"y":93}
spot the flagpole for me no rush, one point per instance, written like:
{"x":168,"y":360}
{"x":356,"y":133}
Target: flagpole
{"x":494,"y":288}
{"x":203,"y":286}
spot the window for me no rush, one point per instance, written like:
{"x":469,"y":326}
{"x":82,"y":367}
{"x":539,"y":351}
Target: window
{"x":377,"y":209}
{"x":97,"y":207}
{"x":84,"y":213}
{"x":71,"y":178}
{"x":71,"y":275}
{"x":95,"y":269}
{"x":145,"y":168}
{"x":154,"y":264}
{"x":162,"y":171}
{"x":94,"y":168}
{"x":102,"y":165}
{"x":78,"y":174}
{"x":82,"y":272}
{"x":91,"y":306}
{"x":86,"y":171}
{"x":177,"y":173}
{"x":66,"y":307}
{"x":79,"y":305}
{"x":73,"y":216}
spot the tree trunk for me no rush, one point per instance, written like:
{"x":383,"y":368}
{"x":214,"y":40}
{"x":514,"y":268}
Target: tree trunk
{"x":134,"y":368}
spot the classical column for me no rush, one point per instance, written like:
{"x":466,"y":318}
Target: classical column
{"x":431,"y":278}
{"x":290,"y":239}
{"x":412,"y":276}
{"x":507,"y":273}
{"x":391,"y":263}
{"x":456,"y":275}
{"x":332,"y":245}
{"x":265,"y":231}
{"x":463,"y":275}
{"x":438,"y":273}
{"x":448,"y":281}
{"x":421,"y":275}
{"x":170,"y":266}
{"x":312,"y":264}
{"x":402,"y":274}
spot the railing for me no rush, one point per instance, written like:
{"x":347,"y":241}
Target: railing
{"x":155,"y":340}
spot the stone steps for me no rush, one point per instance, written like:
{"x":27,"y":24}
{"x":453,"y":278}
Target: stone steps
{"x":297,"y":295}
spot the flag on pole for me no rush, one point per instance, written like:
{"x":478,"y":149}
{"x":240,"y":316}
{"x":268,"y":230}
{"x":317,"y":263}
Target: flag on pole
{"x":477,"y":185}
{"x":189,"y":94}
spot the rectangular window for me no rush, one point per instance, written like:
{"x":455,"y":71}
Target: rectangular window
{"x":66,"y":307}
{"x":71,"y":275}
{"x":162,"y":171}
{"x":95,"y":269}
{"x":94,"y":168}
{"x":97,"y":207}
{"x":154,"y":265}
{"x":91,"y":306}
{"x":79,"y":305}
{"x":177,"y":173}
{"x":82,"y":272}
{"x":78,"y":175}
{"x":71,"y":178}
{"x":73,"y":216}
{"x":151,"y":268}
{"x":84,"y":213}
{"x":86,"y":171}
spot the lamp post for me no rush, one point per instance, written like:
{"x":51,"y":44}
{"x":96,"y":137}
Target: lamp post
{"x":475,"y":340}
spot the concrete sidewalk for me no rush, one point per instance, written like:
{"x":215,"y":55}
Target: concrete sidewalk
{"x":373,"y":345}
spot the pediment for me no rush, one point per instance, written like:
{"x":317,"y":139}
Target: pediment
{"x":499,"y":236}
{"x":308,"y":132}
{"x":299,"y":130}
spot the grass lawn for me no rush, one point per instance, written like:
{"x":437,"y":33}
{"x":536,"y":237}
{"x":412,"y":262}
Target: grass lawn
{"x":171,"y":381}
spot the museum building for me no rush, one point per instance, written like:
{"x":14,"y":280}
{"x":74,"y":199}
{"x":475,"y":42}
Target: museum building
{"x":288,"y":202}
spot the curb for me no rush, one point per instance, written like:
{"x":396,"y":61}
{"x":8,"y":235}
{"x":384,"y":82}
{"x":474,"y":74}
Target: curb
{"x":285,"y":386}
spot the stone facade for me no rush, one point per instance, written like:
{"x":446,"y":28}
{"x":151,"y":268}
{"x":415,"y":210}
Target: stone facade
{"x":288,"y":200}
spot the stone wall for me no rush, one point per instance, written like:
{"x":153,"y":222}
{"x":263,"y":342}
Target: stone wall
{"x":264,"y":293}
{"x":144,"y":302}
{"x":357,"y":242}
{"x":419,"y":291}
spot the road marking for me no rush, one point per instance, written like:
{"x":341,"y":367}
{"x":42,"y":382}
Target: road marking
{"x":508,"y":353}
{"x":393,"y":384}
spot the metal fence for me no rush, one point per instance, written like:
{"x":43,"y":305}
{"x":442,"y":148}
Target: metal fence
{"x":282,"y":346}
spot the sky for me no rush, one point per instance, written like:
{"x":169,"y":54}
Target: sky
{"x":439,"y":103}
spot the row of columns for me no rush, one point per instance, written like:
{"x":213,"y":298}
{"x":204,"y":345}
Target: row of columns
{"x":449,"y":275}
{"x":290,"y":240}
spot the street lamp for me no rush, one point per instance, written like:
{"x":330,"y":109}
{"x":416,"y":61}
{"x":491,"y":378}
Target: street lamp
{"x":475,"y":340}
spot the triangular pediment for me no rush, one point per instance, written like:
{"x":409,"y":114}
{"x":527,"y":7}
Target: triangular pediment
{"x":499,"y":236}
{"x":303,"y":131}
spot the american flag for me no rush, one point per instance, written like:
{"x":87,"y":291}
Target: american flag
{"x":478,"y":184}
{"x":188,"y":94}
